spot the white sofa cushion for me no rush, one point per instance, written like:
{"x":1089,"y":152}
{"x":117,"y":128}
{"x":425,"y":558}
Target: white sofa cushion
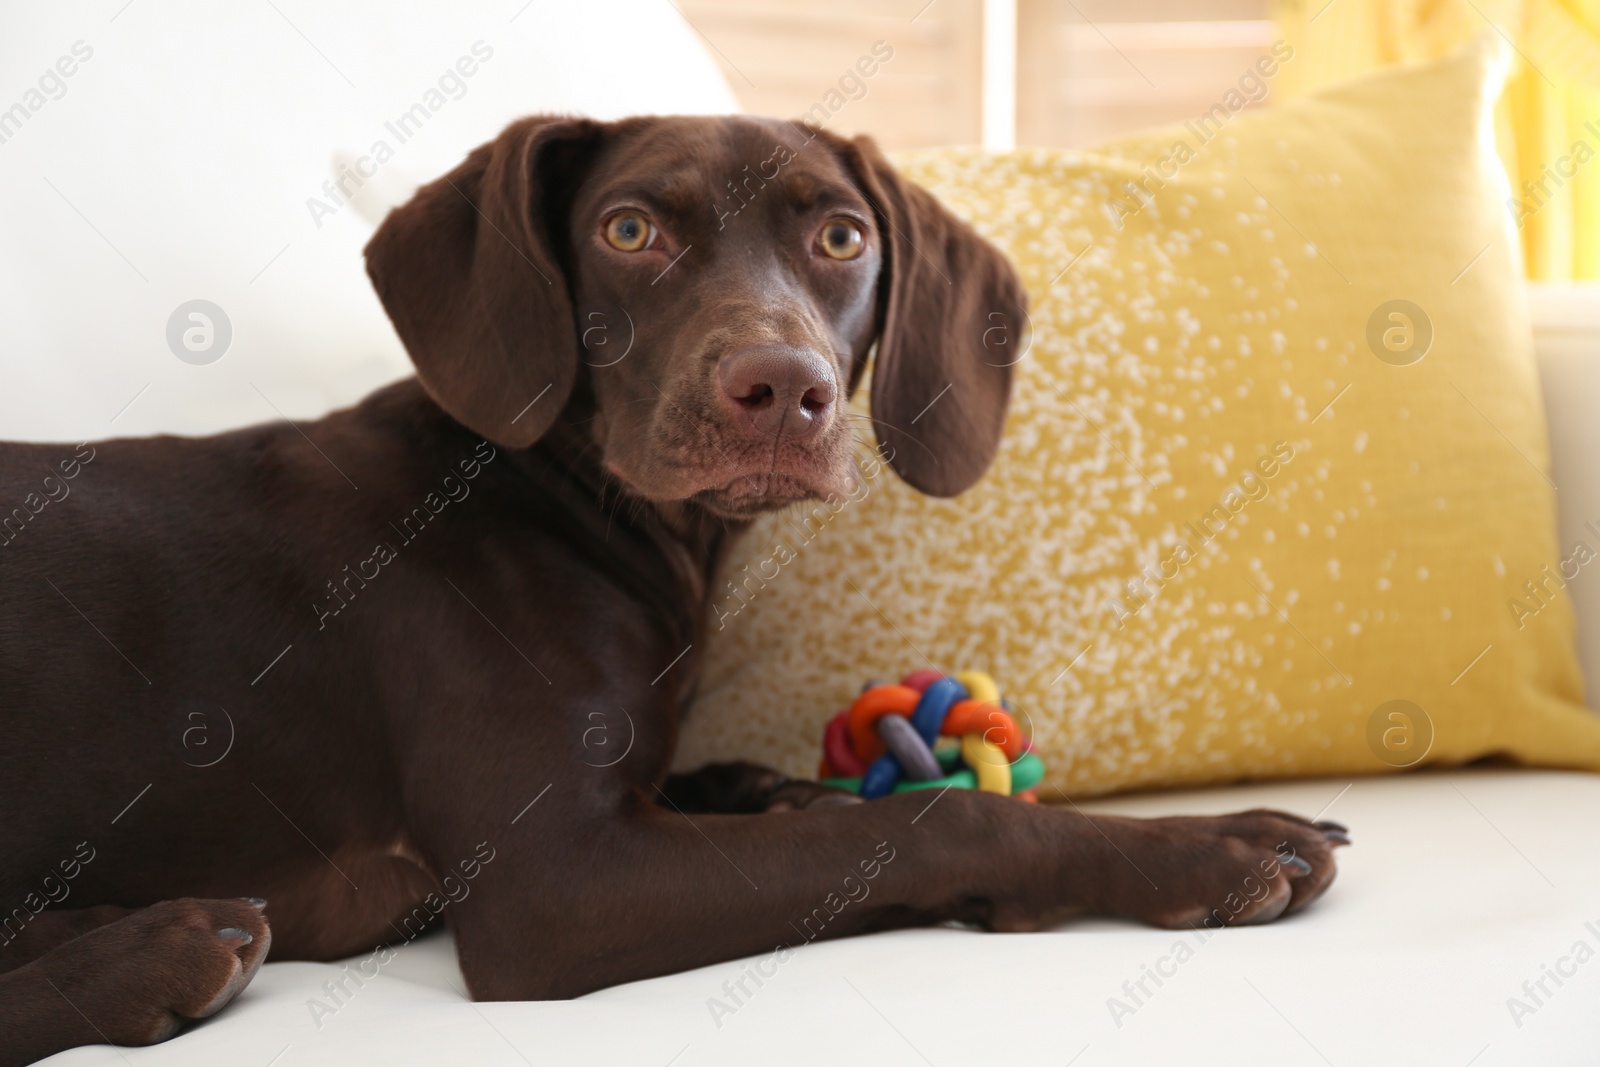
{"x":180,"y":157}
{"x":1566,"y":330}
{"x":1461,"y":886}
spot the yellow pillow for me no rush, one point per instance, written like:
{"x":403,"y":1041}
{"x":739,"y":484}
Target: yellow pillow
{"x":1273,"y":498}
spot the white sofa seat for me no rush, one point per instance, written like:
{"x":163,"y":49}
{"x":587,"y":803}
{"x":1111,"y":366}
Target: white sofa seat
{"x":1460,"y":887}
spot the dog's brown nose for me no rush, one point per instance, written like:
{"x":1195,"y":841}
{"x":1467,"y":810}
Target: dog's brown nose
{"x":773,"y":389}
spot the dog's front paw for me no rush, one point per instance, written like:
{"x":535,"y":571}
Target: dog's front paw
{"x":788,"y":794}
{"x":1241,"y":869}
{"x":748,"y":789}
{"x":139,"y":979}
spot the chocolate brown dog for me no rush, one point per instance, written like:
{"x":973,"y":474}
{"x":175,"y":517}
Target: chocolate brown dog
{"x":424,"y":659}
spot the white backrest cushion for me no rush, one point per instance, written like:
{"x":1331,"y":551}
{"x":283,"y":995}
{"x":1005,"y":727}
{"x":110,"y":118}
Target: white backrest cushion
{"x":176,"y":161}
{"x":1566,"y":330}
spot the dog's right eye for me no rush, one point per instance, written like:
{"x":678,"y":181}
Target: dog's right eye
{"x":841,"y":239}
{"x":629,"y":231}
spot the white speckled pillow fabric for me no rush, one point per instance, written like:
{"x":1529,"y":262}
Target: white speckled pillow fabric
{"x":1274,"y":495}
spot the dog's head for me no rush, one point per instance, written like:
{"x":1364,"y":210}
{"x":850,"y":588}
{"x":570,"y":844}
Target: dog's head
{"x":711,"y":288}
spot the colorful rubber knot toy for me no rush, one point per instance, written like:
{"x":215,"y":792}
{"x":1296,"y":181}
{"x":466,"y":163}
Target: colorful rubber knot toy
{"x":886,"y":742}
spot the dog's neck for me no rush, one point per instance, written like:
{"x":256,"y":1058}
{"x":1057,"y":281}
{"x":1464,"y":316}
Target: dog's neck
{"x":658,"y":550}
{"x":667,"y":556}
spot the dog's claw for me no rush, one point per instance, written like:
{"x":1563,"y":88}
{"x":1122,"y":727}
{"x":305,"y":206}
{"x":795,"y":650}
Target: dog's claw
{"x":1298,"y":868}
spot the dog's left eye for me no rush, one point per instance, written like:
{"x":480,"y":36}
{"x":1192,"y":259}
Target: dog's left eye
{"x":841,"y":239}
{"x":629,"y":231}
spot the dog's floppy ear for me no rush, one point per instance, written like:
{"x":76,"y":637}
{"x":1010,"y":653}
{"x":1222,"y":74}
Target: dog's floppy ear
{"x":471,"y":277}
{"x":950,"y":319}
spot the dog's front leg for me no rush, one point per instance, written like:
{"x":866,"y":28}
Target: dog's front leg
{"x":576,"y":900}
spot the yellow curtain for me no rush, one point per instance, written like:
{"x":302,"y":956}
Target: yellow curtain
{"x":1548,"y":120}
